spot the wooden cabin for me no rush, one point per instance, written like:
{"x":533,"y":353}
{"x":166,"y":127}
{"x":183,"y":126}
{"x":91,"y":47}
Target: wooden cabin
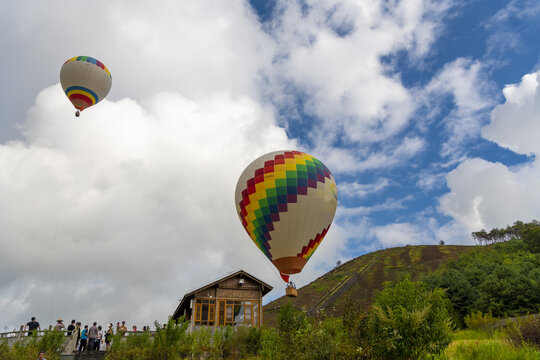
{"x":234,"y":300}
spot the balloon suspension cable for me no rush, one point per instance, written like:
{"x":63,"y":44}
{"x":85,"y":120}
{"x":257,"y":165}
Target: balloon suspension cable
{"x":77,"y":113}
{"x":271,"y":266}
{"x":56,"y":230}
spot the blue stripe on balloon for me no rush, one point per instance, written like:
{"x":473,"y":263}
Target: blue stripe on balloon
{"x":83,"y":89}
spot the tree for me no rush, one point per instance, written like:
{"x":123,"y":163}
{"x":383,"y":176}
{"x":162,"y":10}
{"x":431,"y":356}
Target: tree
{"x":531,"y":238}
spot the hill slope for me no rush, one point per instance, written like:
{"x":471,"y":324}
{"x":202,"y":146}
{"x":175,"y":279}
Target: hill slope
{"x":361,"y":277}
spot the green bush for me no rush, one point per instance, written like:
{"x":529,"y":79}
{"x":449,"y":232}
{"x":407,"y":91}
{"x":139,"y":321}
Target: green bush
{"x":28,"y":348}
{"x":300,"y":338}
{"x":409,"y":322}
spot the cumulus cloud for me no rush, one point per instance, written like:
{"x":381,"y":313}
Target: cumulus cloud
{"x":484,"y":194}
{"x":330,"y":53}
{"x":189,"y":47}
{"x":112,"y":212}
{"x":126,"y":201}
{"x":515,"y":124}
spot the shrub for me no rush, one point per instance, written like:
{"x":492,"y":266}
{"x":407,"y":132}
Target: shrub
{"x":269,"y":341}
{"x":409,"y":322}
{"x":28,"y":348}
{"x":479,"y":321}
{"x":524,"y":331}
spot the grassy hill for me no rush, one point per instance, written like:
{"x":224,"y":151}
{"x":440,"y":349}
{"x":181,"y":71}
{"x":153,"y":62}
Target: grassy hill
{"x":361,"y":277}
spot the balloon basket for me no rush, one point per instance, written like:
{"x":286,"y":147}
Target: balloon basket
{"x":291,"y":292}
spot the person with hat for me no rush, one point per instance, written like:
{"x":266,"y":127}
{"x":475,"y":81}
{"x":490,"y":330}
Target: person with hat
{"x":59,"y":325}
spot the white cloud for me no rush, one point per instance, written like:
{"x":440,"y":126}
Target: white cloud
{"x":192,"y":48}
{"x":357,"y":190}
{"x":464,"y":80}
{"x":142,"y":195}
{"x":516,"y":123}
{"x":389,"y":204}
{"x":331,"y":54}
{"x":429,"y":181}
{"x":392,"y":154}
{"x":485,"y":194}
{"x":401,"y":234}
{"x":139,"y":189}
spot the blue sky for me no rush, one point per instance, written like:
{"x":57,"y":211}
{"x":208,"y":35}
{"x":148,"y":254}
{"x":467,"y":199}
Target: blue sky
{"x":499,"y":35}
{"x":425,"y":111}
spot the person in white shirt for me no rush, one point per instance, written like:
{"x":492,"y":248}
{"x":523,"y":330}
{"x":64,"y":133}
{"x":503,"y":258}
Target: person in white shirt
{"x":100,"y":340}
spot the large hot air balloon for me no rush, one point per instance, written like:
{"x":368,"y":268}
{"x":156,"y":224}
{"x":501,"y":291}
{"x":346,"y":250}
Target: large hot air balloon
{"x":85,"y":80}
{"x":286,"y":201}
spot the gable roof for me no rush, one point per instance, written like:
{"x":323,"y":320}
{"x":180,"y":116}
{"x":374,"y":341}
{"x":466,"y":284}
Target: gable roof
{"x":265,"y":287}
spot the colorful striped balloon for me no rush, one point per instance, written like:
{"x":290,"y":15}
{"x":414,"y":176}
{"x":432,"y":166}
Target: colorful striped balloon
{"x":286,"y":201}
{"x":85,"y":80}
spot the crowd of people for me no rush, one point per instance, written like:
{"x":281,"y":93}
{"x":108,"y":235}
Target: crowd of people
{"x":93,"y":338}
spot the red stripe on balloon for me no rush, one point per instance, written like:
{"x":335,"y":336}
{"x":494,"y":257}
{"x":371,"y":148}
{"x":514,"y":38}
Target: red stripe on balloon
{"x":313,"y":243}
{"x":80,"y":101}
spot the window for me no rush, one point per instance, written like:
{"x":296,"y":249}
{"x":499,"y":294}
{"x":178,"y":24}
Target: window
{"x":238,"y":312}
{"x":205,"y":310}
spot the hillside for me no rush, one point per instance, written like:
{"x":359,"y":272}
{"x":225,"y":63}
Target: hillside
{"x":361,"y":277}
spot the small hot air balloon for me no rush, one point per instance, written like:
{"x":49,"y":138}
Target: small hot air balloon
{"x":286,"y":201}
{"x":86,"y":81}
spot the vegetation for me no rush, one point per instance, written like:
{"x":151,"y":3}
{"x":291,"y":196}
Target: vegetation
{"x":501,"y":280}
{"x":524,"y":331}
{"x":370,"y":272}
{"x":409,"y":322}
{"x":28,"y":348}
{"x":411,"y":318}
{"x":529,"y":232}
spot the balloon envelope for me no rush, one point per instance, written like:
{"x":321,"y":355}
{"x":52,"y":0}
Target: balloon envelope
{"x":85,"y":80}
{"x":286,"y":201}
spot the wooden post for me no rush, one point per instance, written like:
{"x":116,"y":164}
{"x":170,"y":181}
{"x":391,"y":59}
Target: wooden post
{"x":20,"y":332}
{"x":261,"y":312}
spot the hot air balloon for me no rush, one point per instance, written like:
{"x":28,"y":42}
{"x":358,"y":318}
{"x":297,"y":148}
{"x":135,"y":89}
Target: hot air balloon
{"x":286,"y":201}
{"x":86,"y":81}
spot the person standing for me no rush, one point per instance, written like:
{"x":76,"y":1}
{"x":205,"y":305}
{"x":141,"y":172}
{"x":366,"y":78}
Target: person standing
{"x":84,"y":338}
{"x":41,"y":355}
{"x":123,"y":328}
{"x":108,"y":337}
{"x":78,"y":330}
{"x":92,"y":336}
{"x":59,"y":325}
{"x":32,"y":325}
{"x":100,"y":342}
{"x":70,"y":328}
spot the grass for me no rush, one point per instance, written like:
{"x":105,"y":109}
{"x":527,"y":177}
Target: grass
{"x":481,"y":345}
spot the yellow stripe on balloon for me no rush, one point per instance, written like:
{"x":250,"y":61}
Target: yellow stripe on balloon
{"x":82,"y":92}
